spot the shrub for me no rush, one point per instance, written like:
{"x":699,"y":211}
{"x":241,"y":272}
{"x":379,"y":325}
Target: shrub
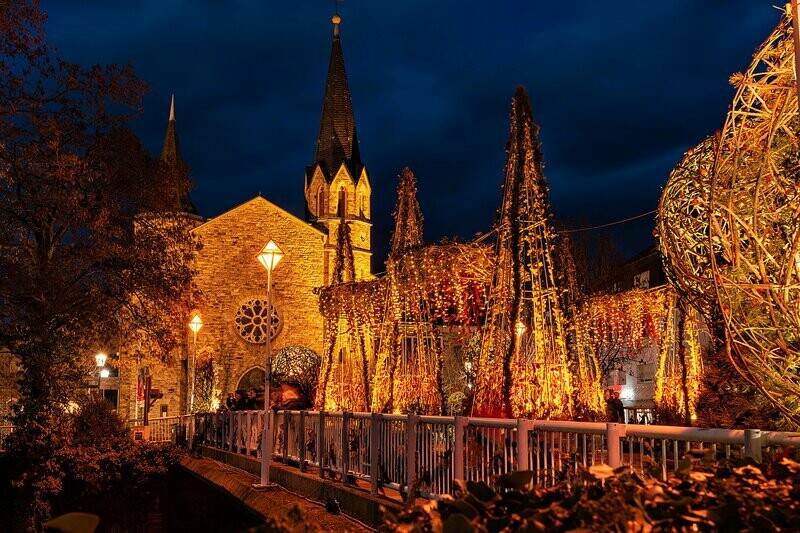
{"x":706,"y":496}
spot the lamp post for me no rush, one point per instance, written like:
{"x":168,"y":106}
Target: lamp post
{"x":269,"y":256}
{"x":194,"y":324}
{"x":100,"y":359}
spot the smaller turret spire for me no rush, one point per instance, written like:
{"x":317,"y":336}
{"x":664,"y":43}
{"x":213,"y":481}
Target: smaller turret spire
{"x":171,"y":157}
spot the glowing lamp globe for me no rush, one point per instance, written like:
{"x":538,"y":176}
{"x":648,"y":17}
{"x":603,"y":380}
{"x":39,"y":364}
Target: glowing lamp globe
{"x":100,"y":359}
{"x":195,"y":323}
{"x":270,"y":256}
{"x":104,"y":373}
{"x":520,"y":328}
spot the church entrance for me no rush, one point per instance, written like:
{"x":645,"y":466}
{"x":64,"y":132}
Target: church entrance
{"x":252,"y":379}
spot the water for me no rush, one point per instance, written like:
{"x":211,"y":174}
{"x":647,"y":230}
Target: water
{"x":178,"y":503}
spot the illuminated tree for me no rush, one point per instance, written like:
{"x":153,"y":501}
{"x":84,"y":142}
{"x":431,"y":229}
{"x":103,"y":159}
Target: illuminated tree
{"x":407,"y":233}
{"x":74,"y":268}
{"x":524,"y":371}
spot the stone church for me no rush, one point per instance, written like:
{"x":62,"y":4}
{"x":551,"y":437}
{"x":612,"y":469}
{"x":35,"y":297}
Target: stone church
{"x":234,"y":284}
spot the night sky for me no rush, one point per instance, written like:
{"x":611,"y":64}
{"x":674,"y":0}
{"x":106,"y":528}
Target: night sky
{"x":620,"y":89}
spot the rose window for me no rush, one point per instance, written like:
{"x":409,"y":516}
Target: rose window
{"x":252,"y":321}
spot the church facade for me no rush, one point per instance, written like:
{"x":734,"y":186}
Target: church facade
{"x":331,"y":244}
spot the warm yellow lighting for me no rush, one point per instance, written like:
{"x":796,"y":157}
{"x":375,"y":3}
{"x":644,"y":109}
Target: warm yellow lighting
{"x":104,"y":373}
{"x":270,"y":255}
{"x":196,"y":323}
{"x":520,"y":327}
{"x":100,"y":359}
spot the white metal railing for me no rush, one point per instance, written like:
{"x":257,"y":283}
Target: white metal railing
{"x":162,"y":429}
{"x":429,"y":452}
{"x":5,"y":431}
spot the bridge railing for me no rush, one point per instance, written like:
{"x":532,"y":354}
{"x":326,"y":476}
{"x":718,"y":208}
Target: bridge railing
{"x":429,"y":452}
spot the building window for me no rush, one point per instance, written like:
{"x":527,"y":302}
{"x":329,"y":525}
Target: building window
{"x":252,"y":321}
{"x":642,"y":280}
{"x":320,"y":202}
{"x":342,"y":207}
{"x":646,"y":372}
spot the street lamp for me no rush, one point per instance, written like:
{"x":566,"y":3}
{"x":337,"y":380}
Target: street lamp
{"x":269,"y":256}
{"x":194,"y":324}
{"x":100,"y":359}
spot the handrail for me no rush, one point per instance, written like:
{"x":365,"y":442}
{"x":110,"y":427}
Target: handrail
{"x":400,"y":451}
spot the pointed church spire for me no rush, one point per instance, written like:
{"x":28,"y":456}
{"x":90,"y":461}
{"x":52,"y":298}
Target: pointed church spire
{"x":337,"y":142}
{"x":171,"y":151}
{"x":172,"y":159}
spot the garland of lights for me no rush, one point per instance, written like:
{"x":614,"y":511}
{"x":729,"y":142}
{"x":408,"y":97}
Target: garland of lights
{"x":524,"y":368}
{"x":755,"y":221}
{"x":639,"y":318}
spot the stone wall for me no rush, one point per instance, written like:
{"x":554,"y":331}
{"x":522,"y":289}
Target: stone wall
{"x":228,"y":274}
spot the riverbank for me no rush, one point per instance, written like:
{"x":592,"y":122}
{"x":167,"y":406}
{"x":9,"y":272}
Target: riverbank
{"x":275,"y":503}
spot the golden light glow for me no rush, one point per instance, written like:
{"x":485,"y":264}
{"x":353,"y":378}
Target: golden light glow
{"x":270,"y":256}
{"x":100,"y":359}
{"x":196,"y":323}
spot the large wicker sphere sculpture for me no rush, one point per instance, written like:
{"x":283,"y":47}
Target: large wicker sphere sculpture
{"x":682,"y":227}
{"x":755,"y":221}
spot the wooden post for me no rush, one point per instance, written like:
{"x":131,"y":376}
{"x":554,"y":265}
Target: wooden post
{"x":374,"y":452}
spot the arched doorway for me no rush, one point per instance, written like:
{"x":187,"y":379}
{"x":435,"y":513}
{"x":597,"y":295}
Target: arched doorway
{"x":252,"y":379}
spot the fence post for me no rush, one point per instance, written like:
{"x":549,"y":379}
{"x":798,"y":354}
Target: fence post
{"x":614,"y":432}
{"x":458,"y":447}
{"x":374,"y":452}
{"x":752,"y":444}
{"x":411,"y":452}
{"x":345,"y":444}
{"x":248,"y":432}
{"x":301,"y":440}
{"x":231,"y":418}
{"x":523,"y":454}
{"x":321,"y":444}
{"x":287,"y":418}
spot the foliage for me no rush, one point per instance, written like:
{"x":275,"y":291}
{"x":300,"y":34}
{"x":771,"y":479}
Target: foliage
{"x":91,"y":250}
{"x":91,"y":453}
{"x":727,"y":400}
{"x":704,"y":496}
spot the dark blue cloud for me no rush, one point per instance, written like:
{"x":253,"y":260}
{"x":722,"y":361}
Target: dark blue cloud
{"x":619,"y":88}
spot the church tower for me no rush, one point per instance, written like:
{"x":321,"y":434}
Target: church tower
{"x":337,"y":186}
{"x":177,"y":198}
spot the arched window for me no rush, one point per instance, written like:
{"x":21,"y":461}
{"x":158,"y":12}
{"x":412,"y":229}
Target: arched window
{"x":342,"y":207}
{"x":320,"y":202}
